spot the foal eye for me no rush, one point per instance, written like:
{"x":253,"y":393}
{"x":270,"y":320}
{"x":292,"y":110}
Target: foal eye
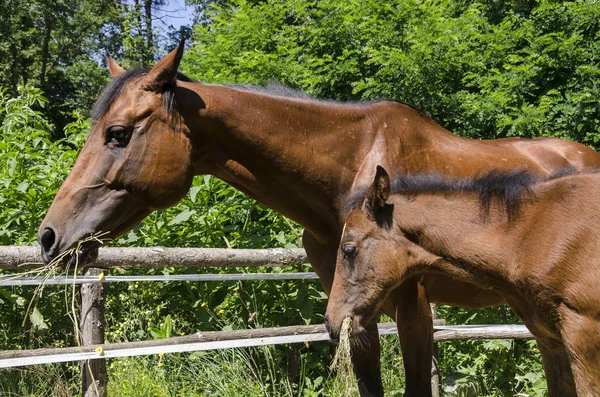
{"x":117,"y":136}
{"x":349,"y":250}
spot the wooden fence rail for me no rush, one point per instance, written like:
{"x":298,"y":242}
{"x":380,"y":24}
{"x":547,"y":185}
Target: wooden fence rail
{"x":214,"y":340}
{"x":154,"y":258}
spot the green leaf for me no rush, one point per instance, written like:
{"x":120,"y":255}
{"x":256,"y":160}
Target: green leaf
{"x":37,"y":320}
{"x":182,"y":217}
{"x":193,"y":192}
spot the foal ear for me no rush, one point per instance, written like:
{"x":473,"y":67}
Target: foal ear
{"x":114,"y":68}
{"x":165,"y":71}
{"x":379,"y":191}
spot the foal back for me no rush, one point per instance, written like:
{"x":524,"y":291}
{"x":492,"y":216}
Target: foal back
{"x":558,"y":240}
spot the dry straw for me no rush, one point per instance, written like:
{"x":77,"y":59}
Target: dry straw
{"x":71,"y":257}
{"x":54,"y":266}
{"x":342,"y":362}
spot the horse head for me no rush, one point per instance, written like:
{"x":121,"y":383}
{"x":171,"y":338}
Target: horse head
{"x":137,"y":159}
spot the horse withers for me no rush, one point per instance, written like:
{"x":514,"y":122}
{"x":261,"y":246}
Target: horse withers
{"x":536,"y":243}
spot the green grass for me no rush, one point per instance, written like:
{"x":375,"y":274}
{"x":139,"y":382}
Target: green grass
{"x":237,"y":373}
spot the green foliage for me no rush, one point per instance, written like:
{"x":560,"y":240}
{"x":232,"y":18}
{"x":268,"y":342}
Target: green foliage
{"x":59,"y":46}
{"x":482,"y":69}
{"x":33,"y":165}
{"x":489,"y":368}
{"x":52,"y":380}
{"x":52,"y":44}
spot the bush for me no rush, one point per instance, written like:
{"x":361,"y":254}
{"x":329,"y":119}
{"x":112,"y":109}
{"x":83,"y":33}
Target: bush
{"x":483,"y":69}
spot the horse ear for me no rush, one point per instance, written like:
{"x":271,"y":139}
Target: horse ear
{"x":165,"y":71}
{"x":379,"y":191}
{"x":114,"y":69}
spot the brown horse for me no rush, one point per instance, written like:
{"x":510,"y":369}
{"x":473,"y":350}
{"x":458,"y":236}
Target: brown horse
{"x":155,"y":130}
{"x":537,"y":244}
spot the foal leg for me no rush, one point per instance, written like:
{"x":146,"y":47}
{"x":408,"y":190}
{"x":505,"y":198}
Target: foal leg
{"x":415,"y":331}
{"x":365,"y":358}
{"x":581,"y":335}
{"x":557,"y":369}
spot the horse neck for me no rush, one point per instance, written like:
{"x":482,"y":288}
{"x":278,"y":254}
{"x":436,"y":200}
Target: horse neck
{"x":453,"y":230}
{"x":295,"y":156}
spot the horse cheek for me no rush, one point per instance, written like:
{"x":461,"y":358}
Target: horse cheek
{"x":168,"y":174}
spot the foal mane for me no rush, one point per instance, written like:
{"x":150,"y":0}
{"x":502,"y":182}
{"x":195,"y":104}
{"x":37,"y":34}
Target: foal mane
{"x":115,"y":87}
{"x":510,"y":188}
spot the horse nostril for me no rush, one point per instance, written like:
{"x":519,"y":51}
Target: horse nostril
{"x":47,"y":240}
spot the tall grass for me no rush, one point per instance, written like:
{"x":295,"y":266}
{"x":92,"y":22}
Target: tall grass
{"x":53,"y":380}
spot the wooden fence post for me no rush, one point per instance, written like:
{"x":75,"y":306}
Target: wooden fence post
{"x":435,"y":375}
{"x":93,"y":372}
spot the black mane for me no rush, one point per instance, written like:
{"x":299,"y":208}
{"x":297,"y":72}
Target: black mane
{"x":509,"y":188}
{"x":115,"y":87}
{"x":275,"y":88}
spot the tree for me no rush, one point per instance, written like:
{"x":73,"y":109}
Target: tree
{"x":56,"y":45}
{"x":59,"y":46}
{"x":483,"y":69}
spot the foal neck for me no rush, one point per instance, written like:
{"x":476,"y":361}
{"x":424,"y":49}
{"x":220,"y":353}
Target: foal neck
{"x":452,"y":228}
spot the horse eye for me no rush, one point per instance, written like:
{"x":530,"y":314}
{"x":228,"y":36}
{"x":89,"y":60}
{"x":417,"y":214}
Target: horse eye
{"x":117,"y":136}
{"x":349,"y":250}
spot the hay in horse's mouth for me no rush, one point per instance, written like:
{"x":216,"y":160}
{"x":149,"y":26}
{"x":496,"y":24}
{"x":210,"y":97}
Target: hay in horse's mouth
{"x":82,"y":253}
{"x":342,"y":361}
{"x":343,"y":352}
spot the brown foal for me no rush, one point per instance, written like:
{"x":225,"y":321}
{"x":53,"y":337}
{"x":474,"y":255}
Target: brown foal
{"x":536,"y":244}
{"x":156,"y":129}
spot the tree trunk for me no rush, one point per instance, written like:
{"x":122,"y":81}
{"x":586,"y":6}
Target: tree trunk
{"x":138,"y":16}
{"x":149,"y":39}
{"x":45,"y":44}
{"x":15,"y":78}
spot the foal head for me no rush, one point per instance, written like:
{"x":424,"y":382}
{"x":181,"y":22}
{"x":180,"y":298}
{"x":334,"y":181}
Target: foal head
{"x":136,"y":159}
{"x":370,"y":261}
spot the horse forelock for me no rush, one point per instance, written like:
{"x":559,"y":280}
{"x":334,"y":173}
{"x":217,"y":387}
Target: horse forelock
{"x":116,"y":86}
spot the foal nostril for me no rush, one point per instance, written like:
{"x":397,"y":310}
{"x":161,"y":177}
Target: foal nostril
{"x":327,"y":323}
{"x":330,"y":330}
{"x":47,"y":240}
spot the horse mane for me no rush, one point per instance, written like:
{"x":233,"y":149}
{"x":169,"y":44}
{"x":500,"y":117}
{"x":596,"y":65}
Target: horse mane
{"x":274,"y":88}
{"x":115,"y":87}
{"x":511,"y":188}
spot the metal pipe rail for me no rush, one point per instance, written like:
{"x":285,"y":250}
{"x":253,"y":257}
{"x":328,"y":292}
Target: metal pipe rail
{"x":8,"y":281}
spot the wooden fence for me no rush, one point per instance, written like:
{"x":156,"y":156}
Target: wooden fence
{"x":93,"y":352}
